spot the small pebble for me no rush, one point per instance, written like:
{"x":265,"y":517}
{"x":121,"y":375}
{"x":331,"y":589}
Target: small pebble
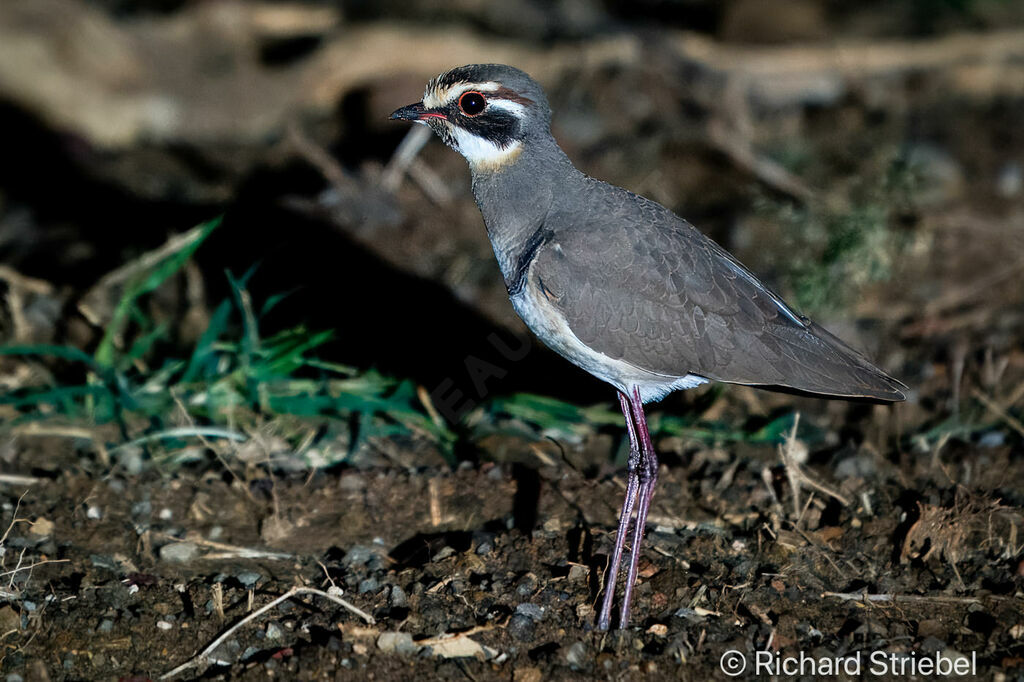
{"x":444,"y":553}
{"x":526,"y":585}
{"x":179,"y":551}
{"x":371,"y":584}
{"x":397,"y":642}
{"x":398,"y":597}
{"x":94,"y":513}
{"x":578,"y":656}
{"x":14,"y":677}
{"x":577,"y":573}
{"x":274,"y":631}
{"x":992,"y":439}
{"x":531,"y":611}
{"x":164,"y":625}
{"x":520,"y":627}
{"x":105,"y":626}
{"x":249,"y":578}
{"x":166,"y":514}
{"x":358,"y":555}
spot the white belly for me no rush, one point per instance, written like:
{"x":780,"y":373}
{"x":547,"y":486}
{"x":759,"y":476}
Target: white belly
{"x":550,"y":327}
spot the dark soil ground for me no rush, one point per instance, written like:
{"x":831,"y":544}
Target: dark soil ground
{"x":923,"y":557}
{"x":885,"y":531}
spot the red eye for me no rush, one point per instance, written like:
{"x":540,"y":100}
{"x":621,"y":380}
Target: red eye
{"x":472,"y":103}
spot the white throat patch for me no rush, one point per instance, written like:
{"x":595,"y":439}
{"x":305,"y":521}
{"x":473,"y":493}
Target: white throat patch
{"x":483,"y":154}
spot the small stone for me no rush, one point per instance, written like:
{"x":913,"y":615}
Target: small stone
{"x":164,"y":625}
{"x":106,"y":626}
{"x":249,"y":578}
{"x":274,"y":631}
{"x":485,"y":547}
{"x":931,"y":628}
{"x":992,"y":439}
{"x":29,"y":605}
{"x":9,"y":619}
{"x":94,"y":513}
{"x":531,"y":611}
{"x":398,"y":597}
{"x":578,"y":657}
{"x":658,"y":629}
{"x":1017,"y":631}
{"x":526,"y":585}
{"x":166,"y":514}
{"x":397,"y":642}
{"x":578,"y":573}
{"x":358,"y":555}
{"x":857,"y":466}
{"x":520,"y":627}
{"x":143,"y":508}
{"x":14,"y":677}
{"x":130,"y":458}
{"x":359,"y":649}
{"x":443,"y":554}
{"x":932,"y":644}
{"x":371,"y":584}
{"x":179,"y":551}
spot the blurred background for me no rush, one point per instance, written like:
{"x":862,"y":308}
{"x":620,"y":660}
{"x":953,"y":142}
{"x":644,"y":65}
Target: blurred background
{"x":212,"y":255}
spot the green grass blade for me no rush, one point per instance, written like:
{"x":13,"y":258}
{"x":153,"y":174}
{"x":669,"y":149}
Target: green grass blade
{"x":147,"y":282}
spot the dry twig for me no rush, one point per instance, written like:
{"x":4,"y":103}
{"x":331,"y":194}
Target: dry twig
{"x":199,"y":658}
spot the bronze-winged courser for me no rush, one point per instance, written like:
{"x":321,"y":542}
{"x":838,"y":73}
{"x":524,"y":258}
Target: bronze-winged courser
{"x":620,"y":285}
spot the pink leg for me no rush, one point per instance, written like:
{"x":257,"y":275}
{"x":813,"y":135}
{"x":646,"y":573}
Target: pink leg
{"x":648,"y":478}
{"x":632,"y":486}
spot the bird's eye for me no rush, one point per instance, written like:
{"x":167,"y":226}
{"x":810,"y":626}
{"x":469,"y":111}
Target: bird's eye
{"x":472,"y":103}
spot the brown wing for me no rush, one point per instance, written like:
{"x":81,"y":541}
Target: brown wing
{"x":639,"y":284}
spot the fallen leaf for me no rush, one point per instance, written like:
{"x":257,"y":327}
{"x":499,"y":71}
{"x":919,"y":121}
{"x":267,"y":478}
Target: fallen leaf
{"x":459,"y":646}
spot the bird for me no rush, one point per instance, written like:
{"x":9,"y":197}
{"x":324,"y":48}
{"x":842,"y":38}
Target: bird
{"x":621,"y":286}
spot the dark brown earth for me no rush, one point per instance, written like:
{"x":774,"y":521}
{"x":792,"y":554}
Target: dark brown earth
{"x":511,"y":556}
{"x":881,"y":192}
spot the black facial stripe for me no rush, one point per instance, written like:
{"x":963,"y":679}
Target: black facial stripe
{"x":494,"y":125}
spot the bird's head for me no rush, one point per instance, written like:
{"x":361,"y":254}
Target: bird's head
{"x":486,"y":112}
